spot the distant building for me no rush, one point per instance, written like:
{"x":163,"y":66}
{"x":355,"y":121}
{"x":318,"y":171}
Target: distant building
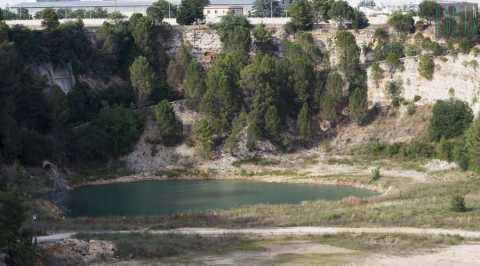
{"x":216,"y":8}
{"x":219,"y":8}
{"x":125,"y":7}
{"x":41,"y":1}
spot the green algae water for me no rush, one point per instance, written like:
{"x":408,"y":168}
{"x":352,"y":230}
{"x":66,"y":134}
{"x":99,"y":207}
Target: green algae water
{"x":169,"y":197}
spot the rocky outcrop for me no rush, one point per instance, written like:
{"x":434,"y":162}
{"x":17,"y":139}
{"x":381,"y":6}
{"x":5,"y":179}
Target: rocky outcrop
{"x":150,"y":155}
{"x":204,"y":41}
{"x":454,"y":76}
{"x":77,"y":252}
{"x":61,"y":76}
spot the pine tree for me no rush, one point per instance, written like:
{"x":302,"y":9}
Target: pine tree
{"x":169,"y":126}
{"x":272,"y":123}
{"x":303,"y":123}
{"x":221,"y":102}
{"x":141,"y":28}
{"x":142,"y":78}
{"x":50,"y":19}
{"x":348,"y":53}
{"x":358,"y":103}
{"x":177,"y":67}
{"x":255,"y":128}
{"x":301,"y":14}
{"x":190,"y":11}
{"x":239,"y":124}
{"x":333,"y":95}
{"x":194,"y":82}
{"x":203,"y":134}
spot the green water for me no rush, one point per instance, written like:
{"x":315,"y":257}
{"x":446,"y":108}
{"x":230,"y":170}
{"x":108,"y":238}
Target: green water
{"x":167,"y":197}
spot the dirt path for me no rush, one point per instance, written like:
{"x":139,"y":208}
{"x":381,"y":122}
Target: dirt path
{"x":284,"y":231}
{"x":460,"y":255}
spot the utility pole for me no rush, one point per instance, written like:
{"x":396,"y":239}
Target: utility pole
{"x":34,"y":221}
{"x":271,"y":8}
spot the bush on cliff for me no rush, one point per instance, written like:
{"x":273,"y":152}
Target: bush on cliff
{"x":450,"y":119}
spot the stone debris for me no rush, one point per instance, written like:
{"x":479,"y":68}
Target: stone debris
{"x":77,"y":252}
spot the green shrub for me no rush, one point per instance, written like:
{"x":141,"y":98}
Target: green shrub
{"x":444,"y":150}
{"x":426,"y":66}
{"x":375,"y":174}
{"x":472,"y":143}
{"x":460,"y":155}
{"x":394,"y":90}
{"x":376,"y":148}
{"x":403,"y":23}
{"x":450,"y":119}
{"x":414,"y":150}
{"x":434,"y":48}
{"x":457,"y":204}
{"x":122,"y":125}
{"x":417,"y":150}
{"x":412,"y":50}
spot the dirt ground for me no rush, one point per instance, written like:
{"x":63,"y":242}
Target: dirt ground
{"x":310,"y":253}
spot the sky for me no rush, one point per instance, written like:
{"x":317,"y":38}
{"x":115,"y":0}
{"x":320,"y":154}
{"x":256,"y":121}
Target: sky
{"x":3,"y":3}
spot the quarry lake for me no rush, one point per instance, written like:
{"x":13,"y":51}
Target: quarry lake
{"x":168,"y":197}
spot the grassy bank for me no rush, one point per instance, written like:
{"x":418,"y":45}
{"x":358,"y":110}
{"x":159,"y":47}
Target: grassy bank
{"x":191,"y":248}
{"x":160,"y":246}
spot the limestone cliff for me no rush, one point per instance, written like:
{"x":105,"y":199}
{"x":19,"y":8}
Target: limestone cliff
{"x":454,"y":76}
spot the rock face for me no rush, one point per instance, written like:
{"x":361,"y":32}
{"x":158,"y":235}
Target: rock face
{"x":61,"y":76}
{"x":454,"y":76}
{"x":150,"y":155}
{"x":385,"y":128}
{"x":204,"y":41}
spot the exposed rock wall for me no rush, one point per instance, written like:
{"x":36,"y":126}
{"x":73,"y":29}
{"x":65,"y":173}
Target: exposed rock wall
{"x":204,"y":41}
{"x":61,"y":76}
{"x":454,"y":76}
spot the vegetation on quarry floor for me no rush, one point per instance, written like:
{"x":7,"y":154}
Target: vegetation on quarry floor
{"x":182,"y":248}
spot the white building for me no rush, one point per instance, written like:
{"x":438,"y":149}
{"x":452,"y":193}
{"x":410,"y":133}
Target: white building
{"x":216,"y":8}
{"x":125,"y":7}
{"x":219,"y":8}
